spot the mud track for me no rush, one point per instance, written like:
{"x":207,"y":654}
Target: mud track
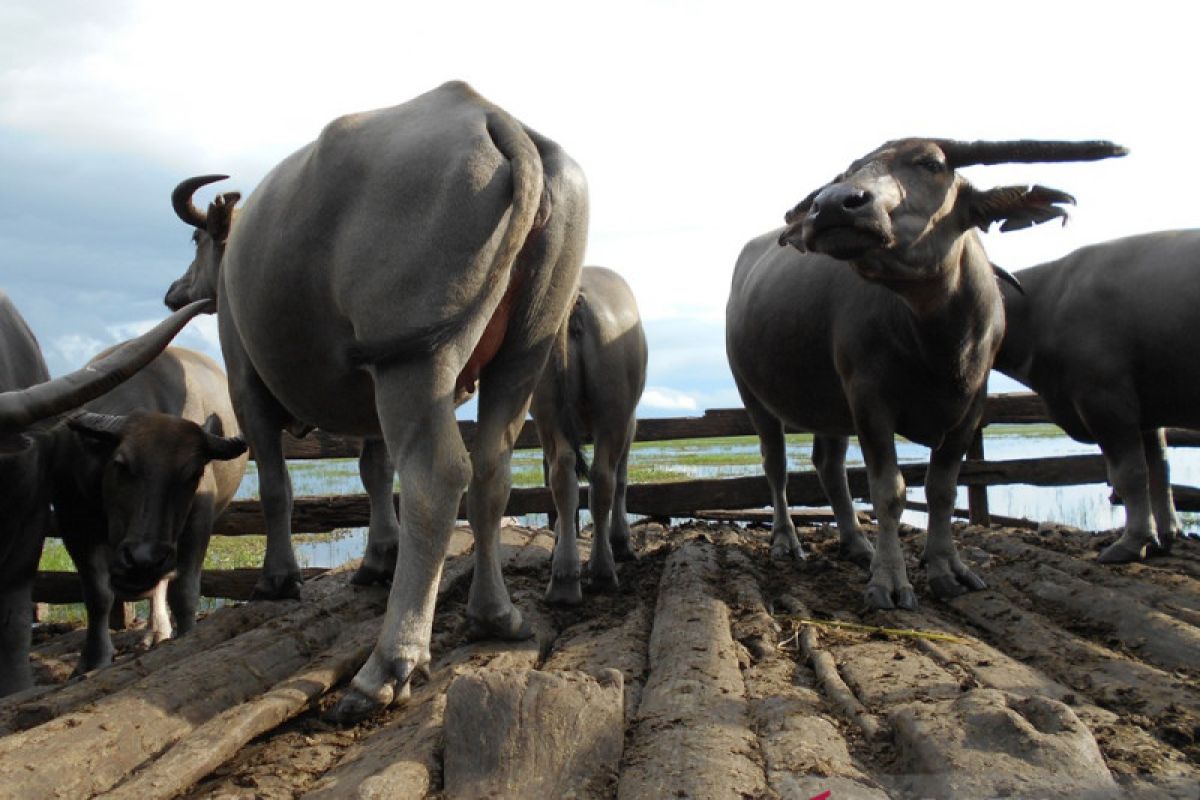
{"x":714,"y":672}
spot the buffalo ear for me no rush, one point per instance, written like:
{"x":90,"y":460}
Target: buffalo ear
{"x":218,"y":447}
{"x":103,"y":429}
{"x":221,"y":448}
{"x":220,"y":215}
{"x":13,"y":443}
{"x":1016,"y":207}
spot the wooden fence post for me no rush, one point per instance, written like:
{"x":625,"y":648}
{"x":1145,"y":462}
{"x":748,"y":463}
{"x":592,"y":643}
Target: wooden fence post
{"x":977,"y":497}
{"x":122,"y":616}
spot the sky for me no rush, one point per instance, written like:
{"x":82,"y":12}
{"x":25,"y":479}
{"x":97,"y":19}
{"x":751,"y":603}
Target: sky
{"x":698,"y":125}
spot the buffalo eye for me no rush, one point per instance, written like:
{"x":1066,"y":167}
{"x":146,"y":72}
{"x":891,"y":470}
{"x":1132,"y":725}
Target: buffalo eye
{"x":931,"y":164}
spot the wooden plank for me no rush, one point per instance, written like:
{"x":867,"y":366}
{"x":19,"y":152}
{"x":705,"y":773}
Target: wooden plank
{"x":977,"y":496}
{"x":682,"y":498}
{"x":1017,"y":408}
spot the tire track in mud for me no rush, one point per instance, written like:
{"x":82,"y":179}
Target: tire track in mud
{"x":1074,"y":678}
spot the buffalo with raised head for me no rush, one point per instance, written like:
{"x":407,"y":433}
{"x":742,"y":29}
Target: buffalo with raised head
{"x":140,"y":476}
{"x":30,"y":406}
{"x":1104,"y":336}
{"x":876,"y":312}
{"x":373,"y":279}
{"x":590,"y":389}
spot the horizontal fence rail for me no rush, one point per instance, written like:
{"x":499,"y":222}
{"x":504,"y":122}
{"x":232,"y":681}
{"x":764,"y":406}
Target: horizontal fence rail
{"x":669,"y":499}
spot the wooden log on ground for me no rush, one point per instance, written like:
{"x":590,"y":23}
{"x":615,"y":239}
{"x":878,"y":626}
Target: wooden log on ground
{"x":691,"y":736}
{"x":529,"y":733}
{"x":229,"y":584}
{"x":761,"y":516}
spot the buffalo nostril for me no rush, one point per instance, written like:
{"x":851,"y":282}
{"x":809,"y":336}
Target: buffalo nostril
{"x":857,"y":199}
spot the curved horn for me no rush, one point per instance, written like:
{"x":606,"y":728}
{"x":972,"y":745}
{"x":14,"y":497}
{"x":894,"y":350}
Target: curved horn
{"x":1026,"y":151}
{"x":181,"y":200}
{"x":23,"y":407}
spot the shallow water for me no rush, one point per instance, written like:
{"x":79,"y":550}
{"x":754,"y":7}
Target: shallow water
{"x":1085,"y":506}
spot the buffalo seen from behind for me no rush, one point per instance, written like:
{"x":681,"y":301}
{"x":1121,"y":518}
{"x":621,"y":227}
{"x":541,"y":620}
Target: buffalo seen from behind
{"x":141,"y":475}
{"x":591,"y":388}
{"x":1103,"y":335}
{"x":31,"y":411}
{"x":372,"y":281}
{"x":876,"y":312}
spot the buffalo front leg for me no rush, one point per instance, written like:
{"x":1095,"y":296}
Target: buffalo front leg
{"x":16,"y":626}
{"x":948,"y":576}
{"x":829,"y":457}
{"x":159,"y":629}
{"x":416,"y":413}
{"x":889,"y":586}
{"x":183,"y":591}
{"x":1162,"y":503}
{"x":92,"y":562}
{"x":383,"y":536}
{"x":773,"y":445}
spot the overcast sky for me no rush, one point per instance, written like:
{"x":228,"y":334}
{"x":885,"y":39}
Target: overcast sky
{"x":698,"y":125}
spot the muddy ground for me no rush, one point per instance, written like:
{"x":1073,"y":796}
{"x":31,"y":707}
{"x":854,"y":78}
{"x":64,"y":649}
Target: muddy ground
{"x":713,"y":673}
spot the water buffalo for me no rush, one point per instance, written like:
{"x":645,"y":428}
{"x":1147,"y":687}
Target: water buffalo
{"x":140,"y":476}
{"x":883,"y":317}
{"x":30,"y":404}
{"x":591,"y":386}
{"x":372,"y":280}
{"x":1102,"y":335}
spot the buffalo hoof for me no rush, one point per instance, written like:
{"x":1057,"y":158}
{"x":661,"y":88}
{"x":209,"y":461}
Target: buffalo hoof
{"x":603,"y":582}
{"x":945,"y":587}
{"x":508,"y":625}
{"x":367,"y":575}
{"x":354,"y":707}
{"x":277,"y":587}
{"x":787,"y":551}
{"x":1160,"y":548}
{"x":622,"y":551}
{"x":857,"y":551}
{"x":880,"y":598}
{"x":1121,"y":552}
{"x":564,"y":592}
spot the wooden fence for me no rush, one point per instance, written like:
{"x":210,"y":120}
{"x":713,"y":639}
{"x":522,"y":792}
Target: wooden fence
{"x":671,"y":499}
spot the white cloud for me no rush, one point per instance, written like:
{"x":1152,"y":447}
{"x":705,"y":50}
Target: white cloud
{"x":661,"y":398}
{"x":76,"y":349}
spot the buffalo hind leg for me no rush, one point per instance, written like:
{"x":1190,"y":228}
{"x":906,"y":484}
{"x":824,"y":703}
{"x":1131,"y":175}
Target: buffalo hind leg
{"x":565,"y":588}
{"x":622,"y":545}
{"x":829,"y":457}
{"x":773,"y":445}
{"x":416,"y":412}
{"x":159,"y":629}
{"x":383,"y":536}
{"x":1166,"y":521}
{"x":948,"y":576}
{"x":1129,"y":475}
{"x":602,"y":567}
{"x":505,"y":388}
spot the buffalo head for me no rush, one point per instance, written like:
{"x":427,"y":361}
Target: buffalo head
{"x":152,"y":465}
{"x":897,"y":213}
{"x":210,"y":236}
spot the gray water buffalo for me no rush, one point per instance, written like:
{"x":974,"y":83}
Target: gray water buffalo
{"x":591,"y":388}
{"x":30,"y":405}
{"x":1103,"y":335}
{"x":373,"y":279}
{"x":140,"y":477}
{"x":883,"y":318}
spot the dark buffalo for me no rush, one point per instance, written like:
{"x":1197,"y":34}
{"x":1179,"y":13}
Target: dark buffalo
{"x":883,"y":318}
